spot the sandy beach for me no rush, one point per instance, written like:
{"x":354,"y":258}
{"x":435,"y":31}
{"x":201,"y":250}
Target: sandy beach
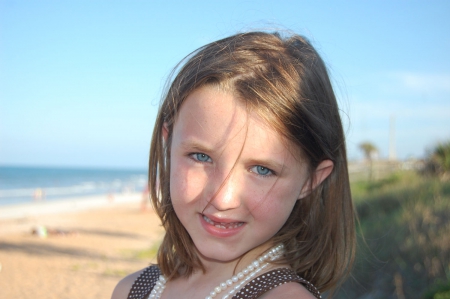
{"x":90,"y":245}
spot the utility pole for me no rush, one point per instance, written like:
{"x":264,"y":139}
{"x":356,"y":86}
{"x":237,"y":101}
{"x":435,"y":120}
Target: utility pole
{"x":392,"y":151}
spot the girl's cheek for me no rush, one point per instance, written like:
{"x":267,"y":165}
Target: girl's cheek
{"x":280,"y":197}
{"x":187,"y":183}
{"x":257,"y":197}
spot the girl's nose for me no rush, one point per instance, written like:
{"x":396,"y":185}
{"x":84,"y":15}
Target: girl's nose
{"x":226,"y":195}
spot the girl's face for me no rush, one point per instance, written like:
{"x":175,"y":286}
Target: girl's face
{"x":233,"y":180}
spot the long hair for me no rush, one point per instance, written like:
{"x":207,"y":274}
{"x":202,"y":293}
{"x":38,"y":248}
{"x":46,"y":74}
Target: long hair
{"x":283,"y":80}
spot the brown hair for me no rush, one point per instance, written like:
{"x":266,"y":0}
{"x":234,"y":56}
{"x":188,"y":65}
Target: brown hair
{"x":285,"y":81}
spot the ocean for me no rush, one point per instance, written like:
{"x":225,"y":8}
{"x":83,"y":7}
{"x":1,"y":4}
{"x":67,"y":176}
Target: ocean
{"x":27,"y":184}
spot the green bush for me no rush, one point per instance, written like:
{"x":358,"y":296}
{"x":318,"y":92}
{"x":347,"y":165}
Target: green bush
{"x":438,"y":162}
{"x":438,"y":291}
{"x":404,"y":238}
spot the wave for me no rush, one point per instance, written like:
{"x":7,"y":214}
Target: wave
{"x":79,"y":189}
{"x":25,"y":184}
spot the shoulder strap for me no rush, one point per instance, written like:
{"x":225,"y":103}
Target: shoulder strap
{"x":267,"y":281}
{"x":144,"y":284}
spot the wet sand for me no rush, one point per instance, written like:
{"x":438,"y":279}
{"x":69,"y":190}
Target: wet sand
{"x":88,"y":249}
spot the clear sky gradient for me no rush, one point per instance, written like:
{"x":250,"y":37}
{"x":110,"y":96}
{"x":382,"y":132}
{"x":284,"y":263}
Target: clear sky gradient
{"x":80,"y":81}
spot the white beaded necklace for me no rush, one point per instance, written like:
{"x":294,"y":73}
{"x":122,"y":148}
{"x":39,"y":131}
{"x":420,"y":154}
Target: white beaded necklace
{"x":235,"y":283}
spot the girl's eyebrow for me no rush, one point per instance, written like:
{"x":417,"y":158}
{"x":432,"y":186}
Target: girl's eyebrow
{"x":195,"y":145}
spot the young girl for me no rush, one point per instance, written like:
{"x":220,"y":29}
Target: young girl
{"x":249,"y":150}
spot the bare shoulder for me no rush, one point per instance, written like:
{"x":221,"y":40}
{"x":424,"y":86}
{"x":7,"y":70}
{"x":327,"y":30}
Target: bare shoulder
{"x":289,"y":290}
{"x":123,"y":287}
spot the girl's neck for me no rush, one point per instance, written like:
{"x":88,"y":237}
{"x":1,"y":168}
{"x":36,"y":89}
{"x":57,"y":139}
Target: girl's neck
{"x":215,"y":273}
{"x":214,"y":267}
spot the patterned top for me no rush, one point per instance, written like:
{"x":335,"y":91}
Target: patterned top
{"x":144,"y":284}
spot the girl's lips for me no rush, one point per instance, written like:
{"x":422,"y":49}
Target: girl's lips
{"x":223,"y":225}
{"x":221,"y":229}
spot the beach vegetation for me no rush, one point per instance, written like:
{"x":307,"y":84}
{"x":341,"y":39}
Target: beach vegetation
{"x":404,"y":238}
{"x":75,"y":267}
{"x":115,"y":272}
{"x":148,"y":253}
{"x":438,"y":161}
{"x":369,"y":150}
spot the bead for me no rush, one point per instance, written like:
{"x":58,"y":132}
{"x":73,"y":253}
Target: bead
{"x":238,"y":280}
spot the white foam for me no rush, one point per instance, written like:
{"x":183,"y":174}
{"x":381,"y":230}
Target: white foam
{"x":66,"y":205}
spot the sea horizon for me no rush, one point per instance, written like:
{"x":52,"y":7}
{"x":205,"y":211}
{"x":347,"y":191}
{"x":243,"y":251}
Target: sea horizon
{"x":26,"y":184}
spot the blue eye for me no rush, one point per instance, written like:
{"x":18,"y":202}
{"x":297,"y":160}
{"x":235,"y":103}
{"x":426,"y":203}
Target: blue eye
{"x":201,"y":157}
{"x":261,"y":170}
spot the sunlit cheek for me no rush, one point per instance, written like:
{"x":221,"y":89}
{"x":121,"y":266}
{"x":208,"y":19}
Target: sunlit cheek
{"x":187,"y":183}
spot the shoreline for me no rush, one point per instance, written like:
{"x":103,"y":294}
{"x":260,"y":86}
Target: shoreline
{"x":23,"y":218}
{"x":92,"y":243}
{"x":68,"y":205}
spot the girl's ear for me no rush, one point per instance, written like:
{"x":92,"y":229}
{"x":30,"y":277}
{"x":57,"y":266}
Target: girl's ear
{"x":322,"y":171}
{"x":165,"y":132}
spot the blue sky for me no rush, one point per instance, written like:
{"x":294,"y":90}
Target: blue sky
{"x":80,"y":81}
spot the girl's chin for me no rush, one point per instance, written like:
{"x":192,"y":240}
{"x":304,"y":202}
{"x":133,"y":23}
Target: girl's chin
{"x":215,"y":256}
{"x":219,"y":255}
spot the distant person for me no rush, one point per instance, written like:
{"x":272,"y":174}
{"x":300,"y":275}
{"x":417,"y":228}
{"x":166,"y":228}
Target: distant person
{"x":110,"y":197}
{"x":249,"y":148}
{"x":39,"y":194}
{"x":145,"y":199}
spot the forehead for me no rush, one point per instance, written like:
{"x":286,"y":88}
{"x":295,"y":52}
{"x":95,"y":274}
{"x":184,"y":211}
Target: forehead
{"x":211,"y":110}
{"x":221,"y":117}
